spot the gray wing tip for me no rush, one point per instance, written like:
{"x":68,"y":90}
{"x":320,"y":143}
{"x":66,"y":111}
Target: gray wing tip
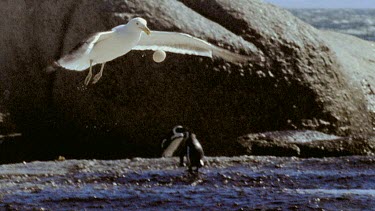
{"x":237,"y":58}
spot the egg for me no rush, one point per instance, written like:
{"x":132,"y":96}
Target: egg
{"x":159,"y":56}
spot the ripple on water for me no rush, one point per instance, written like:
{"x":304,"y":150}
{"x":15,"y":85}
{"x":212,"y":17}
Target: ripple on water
{"x":331,"y":184}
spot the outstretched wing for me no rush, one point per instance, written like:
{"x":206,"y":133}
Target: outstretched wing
{"x":185,"y":44}
{"x":78,"y":57}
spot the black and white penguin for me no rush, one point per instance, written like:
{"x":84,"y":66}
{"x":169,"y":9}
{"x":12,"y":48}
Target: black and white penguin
{"x":183,"y":143}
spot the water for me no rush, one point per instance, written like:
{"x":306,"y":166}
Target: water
{"x":239,"y":183}
{"x":356,"y":22}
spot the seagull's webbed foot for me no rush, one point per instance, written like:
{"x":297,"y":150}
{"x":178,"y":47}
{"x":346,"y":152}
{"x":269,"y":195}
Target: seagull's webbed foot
{"x":99,"y":75}
{"x":96,"y":78}
{"x":88,"y":77}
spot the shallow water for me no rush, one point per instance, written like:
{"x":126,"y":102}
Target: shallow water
{"x":346,"y":183}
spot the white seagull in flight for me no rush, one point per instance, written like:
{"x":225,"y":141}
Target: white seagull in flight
{"x":108,"y":45}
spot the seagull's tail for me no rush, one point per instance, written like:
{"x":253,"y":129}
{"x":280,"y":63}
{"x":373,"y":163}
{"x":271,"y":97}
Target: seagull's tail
{"x":53,"y":67}
{"x":75,"y":61}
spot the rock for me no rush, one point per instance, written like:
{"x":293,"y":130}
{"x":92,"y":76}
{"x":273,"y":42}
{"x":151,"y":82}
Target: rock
{"x":305,"y":143}
{"x":302,"y":79}
{"x":13,"y":148}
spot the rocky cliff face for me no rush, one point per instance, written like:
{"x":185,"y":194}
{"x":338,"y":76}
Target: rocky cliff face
{"x":305,"y":78}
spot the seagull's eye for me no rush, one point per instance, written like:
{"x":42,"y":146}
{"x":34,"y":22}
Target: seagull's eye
{"x":137,"y":23}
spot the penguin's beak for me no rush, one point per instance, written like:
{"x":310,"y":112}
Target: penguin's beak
{"x":146,"y":30}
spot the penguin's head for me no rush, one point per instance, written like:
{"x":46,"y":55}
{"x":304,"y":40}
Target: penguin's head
{"x":172,"y":141}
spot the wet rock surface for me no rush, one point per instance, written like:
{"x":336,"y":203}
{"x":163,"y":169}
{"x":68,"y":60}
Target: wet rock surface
{"x":247,"y":182}
{"x":306,"y":143}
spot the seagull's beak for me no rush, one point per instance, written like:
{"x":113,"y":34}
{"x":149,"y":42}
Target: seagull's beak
{"x":146,"y":30}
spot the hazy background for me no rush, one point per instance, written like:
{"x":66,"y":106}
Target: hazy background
{"x":358,"y":4}
{"x":354,"y":17}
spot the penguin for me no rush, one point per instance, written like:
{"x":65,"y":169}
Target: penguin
{"x":182,"y":142}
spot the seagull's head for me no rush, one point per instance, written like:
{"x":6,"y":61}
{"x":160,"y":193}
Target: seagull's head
{"x":139,"y":23}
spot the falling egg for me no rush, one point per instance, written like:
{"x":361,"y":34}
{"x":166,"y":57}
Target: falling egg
{"x":159,"y":56}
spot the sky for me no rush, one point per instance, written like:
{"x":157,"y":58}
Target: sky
{"x":324,"y":3}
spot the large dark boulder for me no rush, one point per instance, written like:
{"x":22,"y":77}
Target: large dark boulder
{"x":304,"y":78}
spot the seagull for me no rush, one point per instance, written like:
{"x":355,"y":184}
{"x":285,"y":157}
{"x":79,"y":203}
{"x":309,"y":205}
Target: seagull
{"x":105,"y":46}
